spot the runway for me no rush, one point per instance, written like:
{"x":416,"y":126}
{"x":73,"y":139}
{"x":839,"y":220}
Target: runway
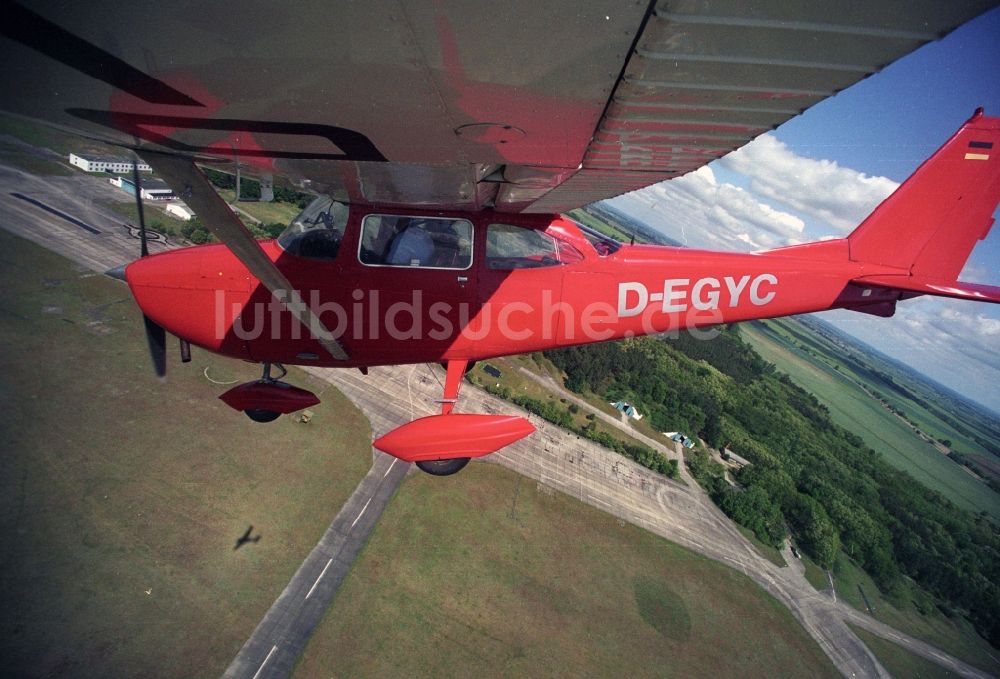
{"x":282,"y":635}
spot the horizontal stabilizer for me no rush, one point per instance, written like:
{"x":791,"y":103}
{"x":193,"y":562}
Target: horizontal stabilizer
{"x":971,"y":291}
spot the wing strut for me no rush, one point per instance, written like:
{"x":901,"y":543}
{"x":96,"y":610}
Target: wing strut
{"x":189,"y":183}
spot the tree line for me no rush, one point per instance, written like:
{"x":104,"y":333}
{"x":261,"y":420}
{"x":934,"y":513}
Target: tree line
{"x":250,"y":188}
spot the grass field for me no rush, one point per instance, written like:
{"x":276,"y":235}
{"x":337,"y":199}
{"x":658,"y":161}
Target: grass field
{"x":272,"y":212}
{"x":34,"y":163}
{"x":955,"y":636}
{"x":155,"y":218}
{"x":858,"y":412}
{"x":815,"y":575}
{"x":50,"y":138}
{"x":765,"y":550}
{"x":488,"y":575}
{"x":121,"y":495}
{"x":900,"y":662}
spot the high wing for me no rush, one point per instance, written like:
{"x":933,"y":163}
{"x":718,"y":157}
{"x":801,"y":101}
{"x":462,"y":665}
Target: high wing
{"x":521,"y":106}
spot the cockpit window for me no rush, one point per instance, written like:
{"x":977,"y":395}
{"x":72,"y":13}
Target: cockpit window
{"x":516,"y":247}
{"x":318,"y":230}
{"x":605,"y":245}
{"x":425,"y":242}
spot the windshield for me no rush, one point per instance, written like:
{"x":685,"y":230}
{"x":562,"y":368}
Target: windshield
{"x":316,"y":233}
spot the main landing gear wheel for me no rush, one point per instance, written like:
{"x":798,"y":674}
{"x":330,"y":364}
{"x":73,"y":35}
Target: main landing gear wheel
{"x":259,"y":415}
{"x":443,"y":467}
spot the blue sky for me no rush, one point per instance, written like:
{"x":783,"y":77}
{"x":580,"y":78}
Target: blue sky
{"x":820,"y":173}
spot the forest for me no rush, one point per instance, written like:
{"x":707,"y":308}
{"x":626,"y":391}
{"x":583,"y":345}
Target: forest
{"x":808,"y":475}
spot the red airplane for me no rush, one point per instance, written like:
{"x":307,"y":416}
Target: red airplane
{"x":440,"y":240}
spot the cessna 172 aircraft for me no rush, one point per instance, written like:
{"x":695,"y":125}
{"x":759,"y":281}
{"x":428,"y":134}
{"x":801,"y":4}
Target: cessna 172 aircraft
{"x":444,"y":139}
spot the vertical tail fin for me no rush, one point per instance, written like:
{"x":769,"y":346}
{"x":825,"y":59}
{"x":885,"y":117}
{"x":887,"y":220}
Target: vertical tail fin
{"x":930,"y":224}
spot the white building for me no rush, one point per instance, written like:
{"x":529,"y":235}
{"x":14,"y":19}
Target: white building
{"x":180,"y":210}
{"x":90,"y":163}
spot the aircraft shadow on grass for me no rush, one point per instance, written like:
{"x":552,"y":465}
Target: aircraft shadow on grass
{"x":245,"y":538}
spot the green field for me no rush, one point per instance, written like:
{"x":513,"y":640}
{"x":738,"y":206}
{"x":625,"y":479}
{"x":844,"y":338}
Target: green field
{"x":34,"y":163}
{"x":155,"y":218}
{"x":861,"y":414}
{"x":933,"y":411}
{"x":765,"y":550}
{"x":60,"y":142}
{"x":489,"y":574}
{"x":272,"y":212}
{"x":599,"y":225}
{"x":815,"y":575}
{"x":900,"y":662}
{"x":121,"y":495}
{"x":952,"y":635}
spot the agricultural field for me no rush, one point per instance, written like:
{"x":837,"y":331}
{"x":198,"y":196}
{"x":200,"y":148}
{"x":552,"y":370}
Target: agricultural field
{"x":122,"y":495}
{"x":492,"y":574}
{"x":929,"y":408}
{"x":816,"y":367}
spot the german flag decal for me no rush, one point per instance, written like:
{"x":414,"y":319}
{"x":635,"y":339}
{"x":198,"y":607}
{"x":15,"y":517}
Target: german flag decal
{"x":979,"y":155}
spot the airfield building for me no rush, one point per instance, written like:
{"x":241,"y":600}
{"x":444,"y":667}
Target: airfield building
{"x":92,"y":163}
{"x":628,"y":409}
{"x":152,"y":189}
{"x":180,"y":211}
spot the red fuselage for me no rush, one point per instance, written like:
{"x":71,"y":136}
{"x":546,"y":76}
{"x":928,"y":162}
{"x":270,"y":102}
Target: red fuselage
{"x":585,"y":291}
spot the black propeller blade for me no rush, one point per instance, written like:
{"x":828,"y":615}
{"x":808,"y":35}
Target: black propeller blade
{"x":143,"y":247}
{"x":156,"y":336}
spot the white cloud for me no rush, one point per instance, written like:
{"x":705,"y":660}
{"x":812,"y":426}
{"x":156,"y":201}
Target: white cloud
{"x":838,"y":196}
{"x":702,"y":212}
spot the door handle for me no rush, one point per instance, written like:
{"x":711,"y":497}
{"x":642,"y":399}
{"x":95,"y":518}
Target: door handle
{"x":462,"y":280}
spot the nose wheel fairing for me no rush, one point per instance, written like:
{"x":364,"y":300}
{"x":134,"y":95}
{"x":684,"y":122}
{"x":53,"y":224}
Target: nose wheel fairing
{"x":268,"y":397}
